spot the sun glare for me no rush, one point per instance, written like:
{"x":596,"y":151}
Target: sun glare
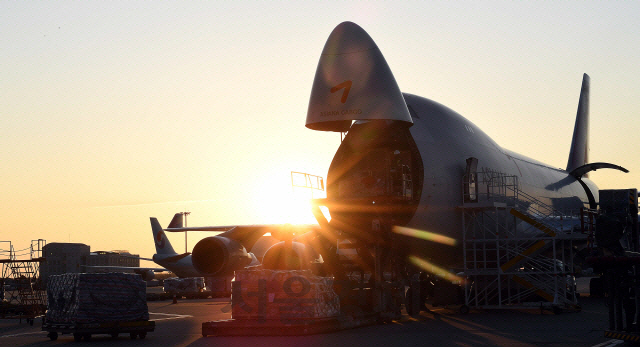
{"x":425,"y":235}
{"x":277,"y":203}
{"x":434,"y":269}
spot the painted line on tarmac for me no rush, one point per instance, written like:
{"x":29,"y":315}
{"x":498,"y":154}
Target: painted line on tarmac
{"x":174,"y":316}
{"x":30,"y":333}
{"x":609,"y":343}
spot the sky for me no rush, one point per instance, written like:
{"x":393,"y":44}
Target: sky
{"x":112,"y":112}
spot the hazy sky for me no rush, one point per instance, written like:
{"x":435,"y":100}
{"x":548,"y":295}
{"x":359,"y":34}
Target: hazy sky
{"x":115,"y":111}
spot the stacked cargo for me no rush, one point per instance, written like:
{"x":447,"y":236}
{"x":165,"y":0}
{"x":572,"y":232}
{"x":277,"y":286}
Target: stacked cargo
{"x":184,"y":286}
{"x":218,"y":285}
{"x":283,"y":295}
{"x":96,"y":297}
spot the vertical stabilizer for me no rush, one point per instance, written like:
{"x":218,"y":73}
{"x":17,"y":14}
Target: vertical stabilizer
{"x":579,"y":154}
{"x":163,"y":246}
{"x":176,"y":222}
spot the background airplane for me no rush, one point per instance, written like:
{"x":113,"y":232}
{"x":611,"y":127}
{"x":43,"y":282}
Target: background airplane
{"x":165,"y":256}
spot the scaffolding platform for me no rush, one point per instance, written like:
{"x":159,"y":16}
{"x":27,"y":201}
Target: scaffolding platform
{"x":23,"y":296}
{"x":518,"y":252}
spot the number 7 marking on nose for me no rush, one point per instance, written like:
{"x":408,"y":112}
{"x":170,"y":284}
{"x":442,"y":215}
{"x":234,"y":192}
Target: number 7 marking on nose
{"x":347,"y":86}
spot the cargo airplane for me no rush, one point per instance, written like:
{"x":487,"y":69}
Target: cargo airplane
{"x":406,"y":163}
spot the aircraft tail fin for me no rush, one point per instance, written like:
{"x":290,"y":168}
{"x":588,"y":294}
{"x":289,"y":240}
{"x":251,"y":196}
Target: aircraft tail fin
{"x":579,"y":153}
{"x":163,"y":246}
{"x":176,"y":222}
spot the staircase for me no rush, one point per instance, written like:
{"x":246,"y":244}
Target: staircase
{"x":518,"y":251}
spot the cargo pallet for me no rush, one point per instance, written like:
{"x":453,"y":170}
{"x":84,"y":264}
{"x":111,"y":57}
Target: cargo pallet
{"x":279,"y":327}
{"x":135,"y":329}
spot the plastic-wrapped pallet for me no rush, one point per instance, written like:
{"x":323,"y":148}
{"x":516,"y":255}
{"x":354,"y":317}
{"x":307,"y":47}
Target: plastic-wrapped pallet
{"x":219,"y":285}
{"x":283,"y":295}
{"x":96,"y":297}
{"x":184,"y":285}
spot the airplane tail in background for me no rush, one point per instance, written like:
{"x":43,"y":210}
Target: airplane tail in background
{"x":579,"y":153}
{"x":163,"y":246}
{"x":176,"y":222}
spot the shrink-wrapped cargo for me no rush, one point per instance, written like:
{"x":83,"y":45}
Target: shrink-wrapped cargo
{"x":218,"y":285}
{"x":188,"y":285}
{"x":96,"y":297}
{"x":283,"y":295}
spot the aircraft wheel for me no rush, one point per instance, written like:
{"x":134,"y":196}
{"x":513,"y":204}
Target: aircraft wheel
{"x":408,"y":302}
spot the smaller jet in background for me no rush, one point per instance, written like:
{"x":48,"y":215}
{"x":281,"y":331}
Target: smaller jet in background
{"x":166,"y":256}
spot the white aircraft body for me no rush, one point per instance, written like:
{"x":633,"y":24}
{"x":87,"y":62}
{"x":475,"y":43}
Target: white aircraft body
{"x":402,"y":164}
{"x":165,"y":256}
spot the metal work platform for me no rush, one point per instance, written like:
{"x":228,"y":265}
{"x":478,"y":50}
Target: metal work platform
{"x":24,"y":296}
{"x":518,"y":252}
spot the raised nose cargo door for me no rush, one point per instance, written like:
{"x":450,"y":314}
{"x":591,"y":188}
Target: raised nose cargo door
{"x":353,"y":82}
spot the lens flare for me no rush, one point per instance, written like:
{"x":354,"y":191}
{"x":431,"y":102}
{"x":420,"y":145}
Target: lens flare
{"x":425,"y":235}
{"x":435,"y":270}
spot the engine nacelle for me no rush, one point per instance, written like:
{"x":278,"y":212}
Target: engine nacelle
{"x":148,"y":275}
{"x":295,"y":256}
{"x":218,"y":255}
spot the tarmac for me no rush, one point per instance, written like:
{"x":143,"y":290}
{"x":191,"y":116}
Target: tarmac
{"x":181,"y":325}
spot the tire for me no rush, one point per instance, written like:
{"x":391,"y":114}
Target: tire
{"x":142,"y":335}
{"x":464,"y":309}
{"x":596,"y":287}
{"x":114,"y":335}
{"x":87,"y":337}
{"x":408,"y":299}
{"x":53,"y":336}
{"x":77,"y":337}
{"x":133,"y":336}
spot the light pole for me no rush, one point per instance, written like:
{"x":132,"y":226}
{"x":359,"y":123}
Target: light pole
{"x":185,"y":214}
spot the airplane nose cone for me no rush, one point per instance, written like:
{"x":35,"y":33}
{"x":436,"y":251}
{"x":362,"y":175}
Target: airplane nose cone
{"x":353,"y":82}
{"x":346,"y":38}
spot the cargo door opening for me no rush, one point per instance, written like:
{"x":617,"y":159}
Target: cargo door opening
{"x":375,"y":179}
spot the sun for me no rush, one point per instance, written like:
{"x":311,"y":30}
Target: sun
{"x":277,"y":202}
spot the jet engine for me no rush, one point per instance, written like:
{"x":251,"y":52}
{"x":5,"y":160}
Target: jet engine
{"x":147,"y":275}
{"x":218,"y":255}
{"x":292,"y":256}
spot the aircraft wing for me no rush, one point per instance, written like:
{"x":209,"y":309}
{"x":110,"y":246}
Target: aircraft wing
{"x":251,"y":227}
{"x":134,"y":257}
{"x":248,"y":235}
{"x":154,"y":269}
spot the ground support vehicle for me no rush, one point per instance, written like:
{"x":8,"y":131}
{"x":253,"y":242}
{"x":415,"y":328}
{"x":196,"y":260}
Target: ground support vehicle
{"x":621,"y":280}
{"x":84,"y":331}
{"x":287,"y":302}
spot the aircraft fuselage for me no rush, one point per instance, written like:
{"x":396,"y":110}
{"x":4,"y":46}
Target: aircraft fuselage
{"x":378,"y":159}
